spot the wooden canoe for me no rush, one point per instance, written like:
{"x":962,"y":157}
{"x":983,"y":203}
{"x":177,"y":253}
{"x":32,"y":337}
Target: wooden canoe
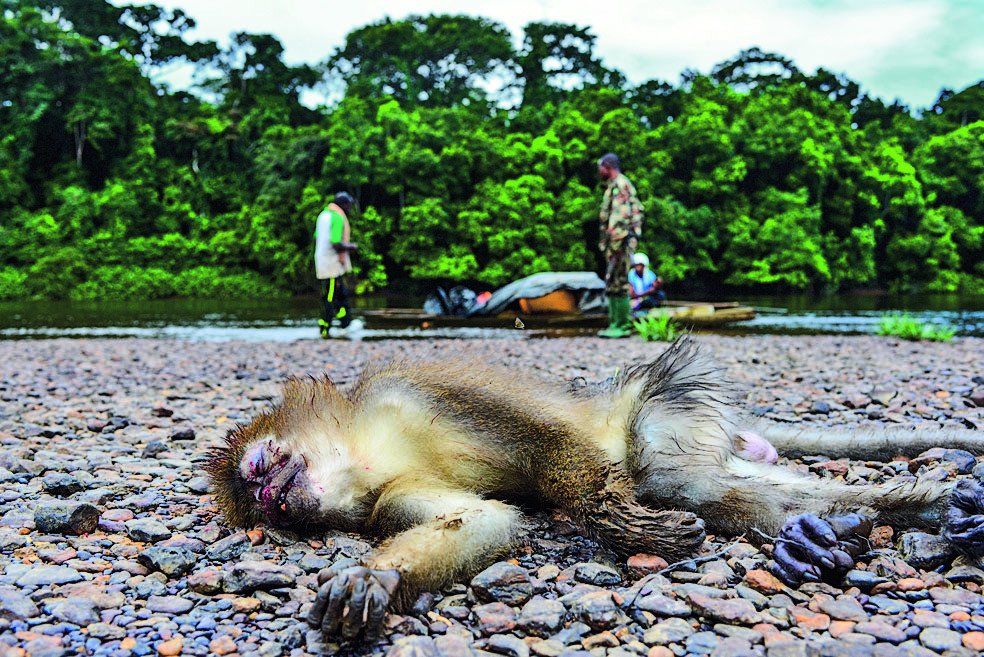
{"x":696,"y":314}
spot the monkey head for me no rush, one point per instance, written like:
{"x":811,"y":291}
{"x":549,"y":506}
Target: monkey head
{"x":289,"y":465}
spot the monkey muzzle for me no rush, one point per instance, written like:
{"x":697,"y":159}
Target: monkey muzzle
{"x":276,"y":480}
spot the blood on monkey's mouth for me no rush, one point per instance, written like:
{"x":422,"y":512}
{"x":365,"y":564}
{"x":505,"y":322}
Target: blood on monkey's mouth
{"x":270,"y":473}
{"x":272,"y":494}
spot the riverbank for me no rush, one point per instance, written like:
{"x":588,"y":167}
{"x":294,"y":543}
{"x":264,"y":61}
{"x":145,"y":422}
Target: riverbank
{"x":121,"y":424}
{"x":283,"y":320}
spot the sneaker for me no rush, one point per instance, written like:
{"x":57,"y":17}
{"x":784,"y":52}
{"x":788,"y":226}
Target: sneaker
{"x":352,"y":331}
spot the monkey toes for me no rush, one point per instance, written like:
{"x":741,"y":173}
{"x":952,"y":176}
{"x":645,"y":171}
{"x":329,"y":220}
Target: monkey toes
{"x":352,"y":601}
{"x":689,"y":528}
{"x":964,"y":525}
{"x":810,"y":549}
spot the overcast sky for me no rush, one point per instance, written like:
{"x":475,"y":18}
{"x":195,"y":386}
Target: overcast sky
{"x":894,"y":48}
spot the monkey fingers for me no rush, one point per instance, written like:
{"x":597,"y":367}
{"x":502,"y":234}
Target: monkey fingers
{"x":356,"y":612}
{"x":811,"y":549}
{"x":964,"y":525}
{"x":352,"y":599}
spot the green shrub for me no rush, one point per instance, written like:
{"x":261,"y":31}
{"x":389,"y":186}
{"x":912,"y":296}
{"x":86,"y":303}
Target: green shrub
{"x":119,"y":282}
{"x":215,"y":283}
{"x":12,"y":284}
{"x":54,"y":276}
{"x":656,"y":327}
{"x":907,"y":327}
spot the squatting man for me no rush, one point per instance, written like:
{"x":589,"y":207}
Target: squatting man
{"x":432,"y":457}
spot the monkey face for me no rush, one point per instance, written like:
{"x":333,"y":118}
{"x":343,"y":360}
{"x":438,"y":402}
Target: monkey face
{"x":290,"y":466}
{"x":278,"y":481}
{"x":260,"y":476}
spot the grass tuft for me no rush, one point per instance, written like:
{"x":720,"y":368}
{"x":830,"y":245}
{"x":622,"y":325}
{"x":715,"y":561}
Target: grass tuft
{"x":656,"y":327}
{"x":907,"y":327}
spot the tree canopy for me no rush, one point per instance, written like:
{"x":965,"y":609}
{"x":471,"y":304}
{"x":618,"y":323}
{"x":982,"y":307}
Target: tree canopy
{"x":471,"y":159}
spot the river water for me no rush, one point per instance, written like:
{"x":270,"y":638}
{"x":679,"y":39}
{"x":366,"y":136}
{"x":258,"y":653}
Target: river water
{"x":296,"y":319}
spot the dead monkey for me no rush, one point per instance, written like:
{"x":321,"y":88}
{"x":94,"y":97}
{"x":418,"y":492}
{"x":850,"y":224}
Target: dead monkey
{"x":430,"y":454}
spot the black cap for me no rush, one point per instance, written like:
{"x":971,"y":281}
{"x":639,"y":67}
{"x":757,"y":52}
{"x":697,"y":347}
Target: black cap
{"x":610,"y":160}
{"x":344,"y":198}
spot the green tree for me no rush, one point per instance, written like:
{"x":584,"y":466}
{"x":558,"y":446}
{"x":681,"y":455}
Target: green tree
{"x":436,"y":60}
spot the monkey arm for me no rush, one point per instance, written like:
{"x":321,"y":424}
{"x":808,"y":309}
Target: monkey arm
{"x":446,"y":535}
{"x":452,"y":534}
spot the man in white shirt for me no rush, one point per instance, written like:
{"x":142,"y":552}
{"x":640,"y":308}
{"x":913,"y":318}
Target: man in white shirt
{"x":647,"y":287}
{"x":332,"y":249}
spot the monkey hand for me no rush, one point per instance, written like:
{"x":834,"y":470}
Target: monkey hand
{"x":964,"y":524}
{"x":810,"y":548}
{"x":352,"y":600}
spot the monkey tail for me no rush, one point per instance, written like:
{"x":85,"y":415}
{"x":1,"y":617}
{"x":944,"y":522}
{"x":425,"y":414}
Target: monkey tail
{"x":868,"y":444}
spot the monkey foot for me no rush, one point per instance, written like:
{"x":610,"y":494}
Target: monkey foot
{"x":811,"y":549}
{"x":352,"y":601}
{"x":964,"y":525}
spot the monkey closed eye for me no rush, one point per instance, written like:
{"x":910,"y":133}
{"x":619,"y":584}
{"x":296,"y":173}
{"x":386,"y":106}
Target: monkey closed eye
{"x":352,"y":601}
{"x":810,"y":549}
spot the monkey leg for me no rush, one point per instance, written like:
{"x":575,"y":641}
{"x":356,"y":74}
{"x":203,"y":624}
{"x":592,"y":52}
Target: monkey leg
{"x":446,"y":535}
{"x":817,"y":523}
{"x":809,"y":547}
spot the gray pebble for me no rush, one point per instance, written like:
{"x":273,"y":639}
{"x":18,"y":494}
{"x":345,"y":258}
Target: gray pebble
{"x":14,"y":605}
{"x":925,"y":551}
{"x":66,"y":517}
{"x":147,"y":530}
{"x":171,"y":561}
{"x":597,"y":574}
{"x":48,"y":575}
{"x":672,"y":630}
{"x":171,"y":604}
{"x":413,"y":646}
{"x":939,"y":639}
{"x":505,"y":644}
{"x":229,"y":548}
{"x":863,"y":579}
{"x":252,"y":575}
{"x":76,"y":611}
{"x":503,"y":582}
{"x":61,"y":484}
{"x":701,"y":643}
{"x":541,"y":617}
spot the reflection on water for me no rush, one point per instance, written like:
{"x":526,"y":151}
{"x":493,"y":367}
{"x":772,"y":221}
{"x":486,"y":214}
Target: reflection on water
{"x":861,"y":313}
{"x":296,"y":319}
{"x":214,"y":333}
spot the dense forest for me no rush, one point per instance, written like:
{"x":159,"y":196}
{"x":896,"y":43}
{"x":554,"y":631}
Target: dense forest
{"x":472,"y":159}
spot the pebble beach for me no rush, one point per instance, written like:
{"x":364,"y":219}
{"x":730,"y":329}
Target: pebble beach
{"x":111,"y":544}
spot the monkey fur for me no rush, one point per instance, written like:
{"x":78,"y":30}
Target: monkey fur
{"x":433,"y":457}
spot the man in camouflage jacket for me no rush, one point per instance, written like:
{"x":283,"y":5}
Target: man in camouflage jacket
{"x":619,"y":230}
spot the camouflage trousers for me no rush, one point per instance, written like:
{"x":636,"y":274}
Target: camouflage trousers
{"x":617,"y":271}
